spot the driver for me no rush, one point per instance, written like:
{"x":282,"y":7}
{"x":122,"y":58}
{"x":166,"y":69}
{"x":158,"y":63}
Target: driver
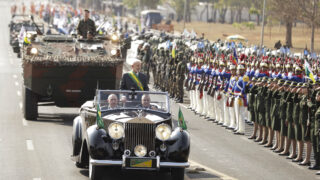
{"x":112,"y":101}
{"x":145,"y":102}
{"x":86,"y":27}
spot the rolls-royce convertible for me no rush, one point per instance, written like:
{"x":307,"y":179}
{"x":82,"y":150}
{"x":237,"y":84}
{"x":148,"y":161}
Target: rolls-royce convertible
{"x":132,"y":130}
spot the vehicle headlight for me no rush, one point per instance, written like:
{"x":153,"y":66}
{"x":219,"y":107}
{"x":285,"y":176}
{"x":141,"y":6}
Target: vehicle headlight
{"x":116,"y":131}
{"x":113,"y":52}
{"x":114,"y":37}
{"x":29,"y":35}
{"x":34,"y":51}
{"x":140,"y":150}
{"x":163,"y":132}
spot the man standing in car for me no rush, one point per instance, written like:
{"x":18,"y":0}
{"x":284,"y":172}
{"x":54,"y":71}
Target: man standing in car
{"x":86,"y":27}
{"x":134,"y":79}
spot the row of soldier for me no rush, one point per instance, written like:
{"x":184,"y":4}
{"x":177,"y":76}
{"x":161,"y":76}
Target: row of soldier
{"x":270,"y":92}
{"x":276,"y":97}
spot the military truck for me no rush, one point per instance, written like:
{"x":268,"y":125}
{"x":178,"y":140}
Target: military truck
{"x":64,"y":71}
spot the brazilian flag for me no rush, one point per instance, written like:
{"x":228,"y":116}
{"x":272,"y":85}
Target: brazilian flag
{"x":100,"y":123}
{"x":181,"y":121}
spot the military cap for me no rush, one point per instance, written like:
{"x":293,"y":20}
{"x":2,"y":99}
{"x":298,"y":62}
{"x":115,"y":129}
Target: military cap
{"x":288,"y":65}
{"x":293,"y":84}
{"x":241,"y":66}
{"x":280,"y":81}
{"x":265,"y":79}
{"x":232,"y":66}
{"x":298,"y":68}
{"x":87,"y":10}
{"x":300,"y":84}
{"x":287,"y":83}
{"x":254,"y":79}
{"x":269,"y":80}
{"x":263,"y":64}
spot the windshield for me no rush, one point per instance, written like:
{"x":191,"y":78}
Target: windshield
{"x":118,"y":99}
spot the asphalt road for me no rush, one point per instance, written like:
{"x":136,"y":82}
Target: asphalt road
{"x":41,"y":149}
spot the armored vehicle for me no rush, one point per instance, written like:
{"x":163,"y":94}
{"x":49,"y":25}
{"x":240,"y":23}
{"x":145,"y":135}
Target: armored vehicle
{"x":66,"y":72}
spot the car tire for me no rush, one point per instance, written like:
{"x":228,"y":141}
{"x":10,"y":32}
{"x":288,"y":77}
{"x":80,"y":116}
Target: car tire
{"x":95,"y":172}
{"x":30,"y":105}
{"x":177,"y":173}
{"x":19,"y":55}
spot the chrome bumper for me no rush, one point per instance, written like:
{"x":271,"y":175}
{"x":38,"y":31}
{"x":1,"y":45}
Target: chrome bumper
{"x":121,"y":163}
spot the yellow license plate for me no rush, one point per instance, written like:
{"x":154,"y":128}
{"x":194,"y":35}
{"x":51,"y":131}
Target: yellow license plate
{"x":141,"y":163}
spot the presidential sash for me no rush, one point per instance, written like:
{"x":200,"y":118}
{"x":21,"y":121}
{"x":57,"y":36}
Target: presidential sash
{"x":136,"y":80}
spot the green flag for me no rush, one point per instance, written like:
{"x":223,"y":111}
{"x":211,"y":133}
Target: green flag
{"x":181,"y":121}
{"x":100,"y":123}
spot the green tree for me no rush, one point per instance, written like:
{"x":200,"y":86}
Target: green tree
{"x":150,"y":4}
{"x":310,"y":15}
{"x":178,"y":5}
{"x":286,"y":11}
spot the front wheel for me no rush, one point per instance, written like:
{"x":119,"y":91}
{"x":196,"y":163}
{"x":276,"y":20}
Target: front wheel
{"x":177,"y":173}
{"x":30,"y":105}
{"x":95,"y":172}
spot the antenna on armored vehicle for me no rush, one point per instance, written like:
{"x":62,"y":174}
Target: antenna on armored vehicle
{"x":38,"y":29}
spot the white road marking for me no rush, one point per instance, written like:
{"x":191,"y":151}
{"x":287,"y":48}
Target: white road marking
{"x":30,"y":145}
{"x":16,"y":83}
{"x":15,"y":76}
{"x":215,"y":172}
{"x":24,"y":122}
{"x":36,"y":179}
{"x":20,"y":105}
{"x":18,"y":93}
{"x":11,"y":62}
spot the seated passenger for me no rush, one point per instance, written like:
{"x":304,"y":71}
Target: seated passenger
{"x":145,"y":102}
{"x":112,"y":101}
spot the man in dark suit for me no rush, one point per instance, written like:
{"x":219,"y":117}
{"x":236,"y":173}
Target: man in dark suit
{"x":134,"y":79}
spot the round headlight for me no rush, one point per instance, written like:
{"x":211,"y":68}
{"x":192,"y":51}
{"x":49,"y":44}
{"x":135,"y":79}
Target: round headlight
{"x":34,"y":50}
{"x":114,"y":37}
{"x":163,"y":132}
{"x":116,"y":130}
{"x":113,"y":52}
{"x":140,"y":150}
{"x":29,"y":35}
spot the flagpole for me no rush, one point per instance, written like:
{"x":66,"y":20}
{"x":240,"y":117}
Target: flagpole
{"x":184,"y":14}
{"x":263,"y":18}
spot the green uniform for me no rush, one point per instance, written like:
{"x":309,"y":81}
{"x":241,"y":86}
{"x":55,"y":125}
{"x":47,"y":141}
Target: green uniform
{"x":180,"y":72}
{"x":289,"y":116}
{"x":295,"y":117}
{"x":314,"y":131}
{"x":252,"y":103}
{"x":261,"y":106}
{"x":275,"y":113}
{"x":283,"y":113}
{"x":268,"y":105}
{"x":303,"y":119}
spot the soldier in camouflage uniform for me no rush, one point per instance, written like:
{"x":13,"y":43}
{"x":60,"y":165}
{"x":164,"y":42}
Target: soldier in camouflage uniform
{"x":314,"y":105}
{"x":180,"y":76}
{"x":153,"y":64}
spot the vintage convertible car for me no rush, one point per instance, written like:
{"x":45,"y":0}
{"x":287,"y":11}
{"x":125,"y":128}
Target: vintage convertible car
{"x":132,"y":130}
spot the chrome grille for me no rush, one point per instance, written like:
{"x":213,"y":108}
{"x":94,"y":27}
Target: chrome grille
{"x":139,"y":133}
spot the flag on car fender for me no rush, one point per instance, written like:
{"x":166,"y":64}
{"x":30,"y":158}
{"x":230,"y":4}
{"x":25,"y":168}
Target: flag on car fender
{"x":100,"y":123}
{"x":181,"y":121}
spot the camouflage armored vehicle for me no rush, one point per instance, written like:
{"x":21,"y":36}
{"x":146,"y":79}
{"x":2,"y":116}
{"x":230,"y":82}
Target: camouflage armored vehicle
{"x":67,"y":72}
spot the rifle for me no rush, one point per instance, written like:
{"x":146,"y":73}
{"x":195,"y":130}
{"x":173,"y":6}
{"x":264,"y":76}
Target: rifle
{"x":213,"y":89}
